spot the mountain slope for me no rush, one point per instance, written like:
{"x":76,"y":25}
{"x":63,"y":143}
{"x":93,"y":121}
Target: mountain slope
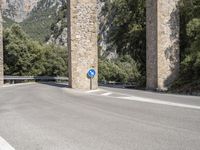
{"x":18,"y":10}
{"x":59,"y":28}
{"x":38,"y":24}
{"x":47,"y":22}
{"x":35,"y":16}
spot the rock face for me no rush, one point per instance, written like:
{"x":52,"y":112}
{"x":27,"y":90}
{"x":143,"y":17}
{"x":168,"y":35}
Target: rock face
{"x":45,"y":4}
{"x":162,"y":43}
{"x":82,"y":43}
{"x":60,"y":40}
{"x":105,"y":24}
{"x":103,"y":27}
{"x":18,"y":10}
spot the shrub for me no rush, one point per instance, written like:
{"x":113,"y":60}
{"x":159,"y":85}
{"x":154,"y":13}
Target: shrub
{"x":124,"y":70}
{"x":25,"y":57}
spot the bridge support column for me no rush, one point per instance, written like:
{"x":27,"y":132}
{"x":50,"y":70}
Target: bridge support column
{"x":1,"y":50}
{"x":82,"y":43}
{"x":162,"y":43}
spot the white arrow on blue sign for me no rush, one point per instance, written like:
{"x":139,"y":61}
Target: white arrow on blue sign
{"x":91,"y":73}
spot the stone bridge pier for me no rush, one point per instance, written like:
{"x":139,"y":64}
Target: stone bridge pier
{"x":162,"y":43}
{"x":1,"y":48}
{"x":82,"y":43}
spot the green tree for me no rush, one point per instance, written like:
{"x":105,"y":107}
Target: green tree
{"x":189,"y":79}
{"x":125,"y":29}
{"x":127,"y":32}
{"x":23,"y":56}
{"x":124,"y":70}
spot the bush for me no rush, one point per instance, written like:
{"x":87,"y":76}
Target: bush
{"x":189,"y":77}
{"x":190,"y":66}
{"x":124,"y":70}
{"x":25,"y":57}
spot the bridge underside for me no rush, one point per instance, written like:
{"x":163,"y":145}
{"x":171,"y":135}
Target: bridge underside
{"x":162,"y":43}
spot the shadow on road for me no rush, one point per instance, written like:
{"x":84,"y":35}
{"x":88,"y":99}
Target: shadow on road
{"x":122,"y":86}
{"x":60,"y":85}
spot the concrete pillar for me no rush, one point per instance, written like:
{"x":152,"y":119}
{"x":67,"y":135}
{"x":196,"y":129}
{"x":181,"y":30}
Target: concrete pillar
{"x":162,"y":43}
{"x":1,"y":48}
{"x":82,"y":43}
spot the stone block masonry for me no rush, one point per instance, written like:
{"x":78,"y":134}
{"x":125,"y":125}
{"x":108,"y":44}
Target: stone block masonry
{"x":82,"y":43}
{"x":1,"y":49}
{"x":162,"y":43}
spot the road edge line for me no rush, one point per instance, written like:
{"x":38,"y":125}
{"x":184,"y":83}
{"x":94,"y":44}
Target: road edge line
{"x":4,"y":145}
{"x":152,"y":101}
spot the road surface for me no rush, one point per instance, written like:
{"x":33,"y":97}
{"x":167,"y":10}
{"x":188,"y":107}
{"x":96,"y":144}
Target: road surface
{"x":53,"y":117}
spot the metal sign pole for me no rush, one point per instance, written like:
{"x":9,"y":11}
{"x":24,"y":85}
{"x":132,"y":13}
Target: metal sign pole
{"x":90,"y":83}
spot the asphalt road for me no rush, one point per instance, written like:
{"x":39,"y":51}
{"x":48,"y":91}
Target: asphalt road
{"x":53,"y":117}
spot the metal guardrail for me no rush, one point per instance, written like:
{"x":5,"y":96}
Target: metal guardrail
{"x":34,"y":78}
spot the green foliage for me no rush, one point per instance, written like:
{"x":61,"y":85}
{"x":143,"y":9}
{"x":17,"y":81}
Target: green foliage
{"x":7,"y":22}
{"x":23,"y":56}
{"x":123,"y":70}
{"x":38,"y":24}
{"x":190,"y":64}
{"x":190,"y":47}
{"x":127,"y":33}
{"x":193,"y":28}
{"x":54,"y":61}
{"x":42,"y":20}
{"x":189,"y":10}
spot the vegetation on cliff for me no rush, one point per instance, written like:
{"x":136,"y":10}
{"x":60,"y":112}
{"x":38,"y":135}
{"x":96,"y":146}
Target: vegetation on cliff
{"x":26,"y":57}
{"x":189,"y":79}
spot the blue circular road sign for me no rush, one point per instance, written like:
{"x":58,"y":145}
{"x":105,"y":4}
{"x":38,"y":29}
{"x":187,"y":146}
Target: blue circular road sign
{"x":91,"y":73}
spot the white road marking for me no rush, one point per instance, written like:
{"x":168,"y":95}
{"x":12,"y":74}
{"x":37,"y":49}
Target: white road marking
{"x":93,"y":91}
{"x":154,"y":101}
{"x":4,"y":145}
{"x":106,"y":94}
{"x":17,"y":84}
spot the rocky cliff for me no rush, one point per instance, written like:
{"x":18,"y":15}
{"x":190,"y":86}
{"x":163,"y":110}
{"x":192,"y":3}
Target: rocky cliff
{"x":18,"y":10}
{"x":46,"y":20}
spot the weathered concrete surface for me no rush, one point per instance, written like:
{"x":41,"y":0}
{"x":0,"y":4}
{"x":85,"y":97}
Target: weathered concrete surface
{"x":82,"y":42}
{"x":1,"y":49}
{"x":162,"y":43}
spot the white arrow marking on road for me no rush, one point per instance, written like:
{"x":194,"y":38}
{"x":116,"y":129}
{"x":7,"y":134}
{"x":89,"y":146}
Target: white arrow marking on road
{"x":106,"y":94}
{"x":154,"y":101}
{"x":4,"y":145}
